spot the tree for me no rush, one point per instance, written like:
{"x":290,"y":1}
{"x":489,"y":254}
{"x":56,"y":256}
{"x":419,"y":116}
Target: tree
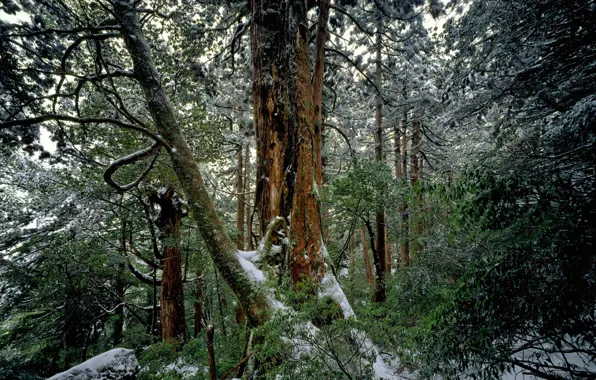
{"x":528,"y":201}
{"x":284,"y":120}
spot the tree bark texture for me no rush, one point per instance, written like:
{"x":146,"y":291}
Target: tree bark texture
{"x":284,"y":119}
{"x":220,"y":246}
{"x":171,"y":294}
{"x":369,"y":275}
{"x":273,"y":37}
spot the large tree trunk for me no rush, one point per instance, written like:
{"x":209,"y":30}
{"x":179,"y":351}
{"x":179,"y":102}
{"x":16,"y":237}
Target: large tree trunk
{"x":305,"y":232}
{"x":380,"y":213}
{"x":284,"y":119}
{"x":274,"y":97}
{"x":318,"y":80}
{"x":171,"y":300}
{"x":240,"y":198}
{"x":220,"y":246}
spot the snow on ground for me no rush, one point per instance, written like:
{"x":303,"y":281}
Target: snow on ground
{"x":118,"y":363}
{"x":184,"y":370}
{"x":552,"y":360}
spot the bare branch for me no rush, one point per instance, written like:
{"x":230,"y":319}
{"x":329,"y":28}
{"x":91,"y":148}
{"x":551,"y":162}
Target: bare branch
{"x":83,"y":120}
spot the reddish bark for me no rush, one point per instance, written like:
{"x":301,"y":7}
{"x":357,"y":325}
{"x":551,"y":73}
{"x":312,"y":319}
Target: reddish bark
{"x":274,"y":94}
{"x":369,"y":275}
{"x":284,"y":121}
{"x":306,"y":260}
{"x":173,"y":323}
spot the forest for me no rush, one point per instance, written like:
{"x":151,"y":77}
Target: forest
{"x":297,"y":189}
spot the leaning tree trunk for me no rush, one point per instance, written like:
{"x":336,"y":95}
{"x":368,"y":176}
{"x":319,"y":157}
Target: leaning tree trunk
{"x":284,"y":121}
{"x":220,"y":246}
{"x":379,"y":295}
{"x":171,"y":294}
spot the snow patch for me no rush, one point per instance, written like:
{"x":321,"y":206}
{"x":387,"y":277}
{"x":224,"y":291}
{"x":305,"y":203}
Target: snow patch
{"x":118,"y":363}
{"x":247,"y":260}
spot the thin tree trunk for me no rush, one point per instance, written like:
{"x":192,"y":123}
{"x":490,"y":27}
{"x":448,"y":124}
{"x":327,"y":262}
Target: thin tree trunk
{"x":248,"y":200}
{"x":414,"y":178}
{"x":387,"y":251}
{"x":119,"y":288}
{"x":405,"y":238}
{"x":211,"y":353}
{"x":240,"y":198}
{"x":198,"y":303}
{"x":220,"y":246}
{"x":119,"y":312}
{"x":380,"y":213}
{"x":396,"y":151}
{"x":369,"y":275}
{"x":241,"y":190}
{"x":377,"y":260}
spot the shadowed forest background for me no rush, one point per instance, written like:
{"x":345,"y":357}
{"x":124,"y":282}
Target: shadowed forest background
{"x":331,"y":189}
